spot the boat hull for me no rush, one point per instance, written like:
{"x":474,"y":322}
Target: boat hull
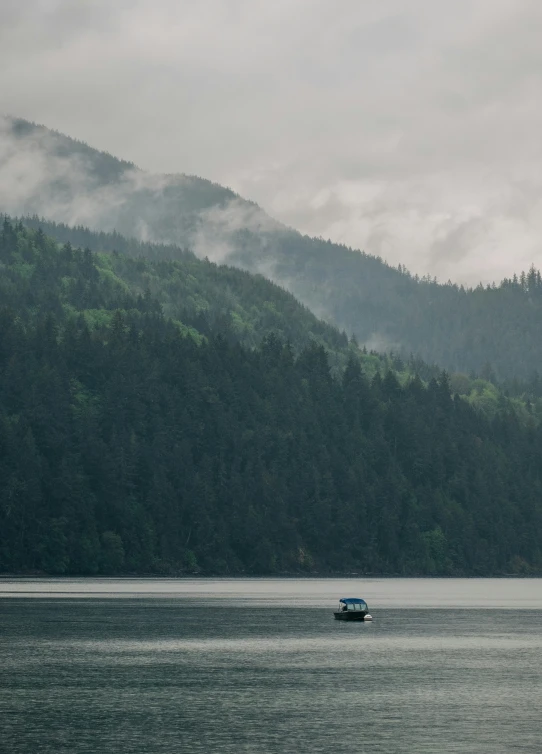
{"x":350,"y":615}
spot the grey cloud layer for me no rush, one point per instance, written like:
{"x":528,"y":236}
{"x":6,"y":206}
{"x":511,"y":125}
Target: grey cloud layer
{"x":409,"y":128}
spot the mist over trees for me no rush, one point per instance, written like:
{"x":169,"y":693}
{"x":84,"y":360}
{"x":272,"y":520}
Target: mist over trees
{"x":492,"y":331}
{"x":131,"y":442}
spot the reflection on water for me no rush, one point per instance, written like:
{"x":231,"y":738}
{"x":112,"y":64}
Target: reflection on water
{"x":231,"y":666}
{"x":479,"y":593}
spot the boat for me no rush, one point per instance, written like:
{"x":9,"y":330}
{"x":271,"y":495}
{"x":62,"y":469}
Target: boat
{"x":352,"y":608}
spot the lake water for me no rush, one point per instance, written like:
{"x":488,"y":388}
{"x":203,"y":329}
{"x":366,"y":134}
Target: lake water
{"x":259,"y":665}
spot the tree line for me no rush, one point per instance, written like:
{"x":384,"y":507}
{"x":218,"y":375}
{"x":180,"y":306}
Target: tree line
{"x":128,"y":444}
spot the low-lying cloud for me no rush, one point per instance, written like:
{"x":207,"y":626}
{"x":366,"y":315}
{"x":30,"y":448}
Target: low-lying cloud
{"x":409,"y":129}
{"x":43,"y":173}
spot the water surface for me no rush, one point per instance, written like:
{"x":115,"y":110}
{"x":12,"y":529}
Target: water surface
{"x":259,"y":665}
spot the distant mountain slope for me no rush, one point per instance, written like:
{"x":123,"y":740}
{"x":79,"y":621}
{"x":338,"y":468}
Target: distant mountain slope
{"x":493,"y":331}
{"x":47,"y":173}
{"x":129,"y":443}
{"x":213,"y":298}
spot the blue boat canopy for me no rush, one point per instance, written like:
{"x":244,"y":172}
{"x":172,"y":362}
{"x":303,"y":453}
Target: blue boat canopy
{"x":352,"y":601}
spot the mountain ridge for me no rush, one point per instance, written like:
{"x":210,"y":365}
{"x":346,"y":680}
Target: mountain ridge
{"x":492,"y":329}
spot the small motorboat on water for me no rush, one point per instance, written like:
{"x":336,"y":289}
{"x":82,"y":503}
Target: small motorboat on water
{"x":352,"y":608}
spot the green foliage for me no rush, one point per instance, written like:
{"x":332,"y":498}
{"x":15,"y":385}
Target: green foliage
{"x":205,"y":298}
{"x":201,"y":296}
{"x":127,"y":446}
{"x":112,"y":556}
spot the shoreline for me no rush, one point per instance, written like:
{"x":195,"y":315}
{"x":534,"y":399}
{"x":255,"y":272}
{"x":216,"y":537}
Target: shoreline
{"x":261,"y":577}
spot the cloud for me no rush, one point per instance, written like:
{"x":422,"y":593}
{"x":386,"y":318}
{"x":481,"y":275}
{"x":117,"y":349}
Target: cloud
{"x":407,"y":128}
{"x":43,"y":173}
{"x":216,"y":228}
{"x":37,"y":177}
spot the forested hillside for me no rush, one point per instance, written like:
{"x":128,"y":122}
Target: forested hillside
{"x":220,"y":298}
{"x":131,"y":443}
{"x":194,"y":293}
{"x":493,"y":331}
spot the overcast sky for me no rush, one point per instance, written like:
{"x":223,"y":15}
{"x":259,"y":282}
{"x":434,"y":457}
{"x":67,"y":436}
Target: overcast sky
{"x":408,"y":128}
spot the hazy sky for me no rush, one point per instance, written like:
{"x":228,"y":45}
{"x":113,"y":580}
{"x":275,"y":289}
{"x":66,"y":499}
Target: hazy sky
{"x":409,"y":128}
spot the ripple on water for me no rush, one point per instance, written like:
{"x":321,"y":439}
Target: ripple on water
{"x":180,"y":674}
